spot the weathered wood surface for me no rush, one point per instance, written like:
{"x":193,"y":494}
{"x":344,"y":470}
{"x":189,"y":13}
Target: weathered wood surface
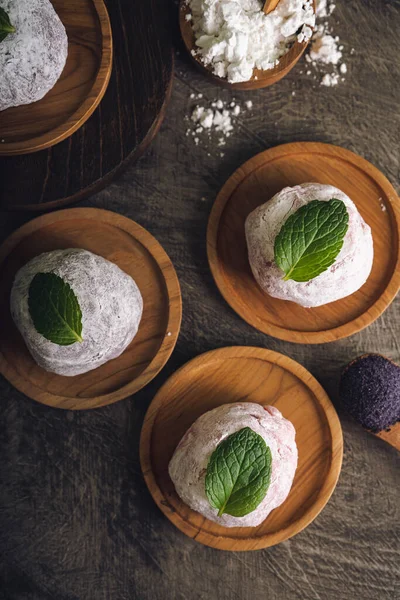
{"x":76,"y":520}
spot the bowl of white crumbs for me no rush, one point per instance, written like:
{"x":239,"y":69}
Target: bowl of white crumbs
{"x":239,"y":46}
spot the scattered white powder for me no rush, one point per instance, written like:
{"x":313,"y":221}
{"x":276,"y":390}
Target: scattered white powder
{"x":324,"y":8}
{"x":325,"y":50}
{"x":383,"y":206}
{"x":235,"y":36}
{"x":217,"y":116}
{"x":330,"y":79}
{"x":326,"y":53}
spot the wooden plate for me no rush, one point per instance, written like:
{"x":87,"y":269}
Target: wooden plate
{"x":246,"y":375}
{"x":136,"y":252}
{"x":79,"y":90}
{"x":260,"y":79}
{"x":256,"y":182}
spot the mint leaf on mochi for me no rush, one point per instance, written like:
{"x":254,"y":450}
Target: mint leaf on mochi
{"x":55,"y":309}
{"x":5,"y":25}
{"x":311,"y":239}
{"x":239,"y":473}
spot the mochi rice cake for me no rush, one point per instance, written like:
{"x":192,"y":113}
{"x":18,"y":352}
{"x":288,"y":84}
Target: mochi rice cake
{"x":33,"y":58}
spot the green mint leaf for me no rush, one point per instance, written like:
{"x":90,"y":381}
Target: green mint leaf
{"x":239,"y":473}
{"x":311,"y":239}
{"x":5,"y":25}
{"x":55,"y":309}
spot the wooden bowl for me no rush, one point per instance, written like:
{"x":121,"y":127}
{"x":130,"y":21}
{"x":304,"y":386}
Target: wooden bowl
{"x":243,"y":374}
{"x":256,"y":182}
{"x":77,"y":93}
{"x":260,"y":79}
{"x":136,"y":252}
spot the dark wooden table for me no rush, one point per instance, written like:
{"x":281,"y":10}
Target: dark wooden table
{"x":76,"y":520}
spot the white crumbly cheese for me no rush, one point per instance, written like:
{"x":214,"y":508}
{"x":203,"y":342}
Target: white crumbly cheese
{"x":235,"y":36}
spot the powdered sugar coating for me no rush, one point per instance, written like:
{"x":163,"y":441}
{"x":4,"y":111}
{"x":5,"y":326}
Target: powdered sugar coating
{"x":348,"y":273}
{"x":188,"y":465}
{"x":33,"y":58}
{"x":110,"y":302}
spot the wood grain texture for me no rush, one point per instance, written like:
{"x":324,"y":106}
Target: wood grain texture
{"x":121,"y":128}
{"x":392,"y":436}
{"x":76,"y":519}
{"x":270,"y":5}
{"x":77,"y":93}
{"x":260,"y":179}
{"x":244,"y":374}
{"x":136,"y":252}
{"x":260,"y":79}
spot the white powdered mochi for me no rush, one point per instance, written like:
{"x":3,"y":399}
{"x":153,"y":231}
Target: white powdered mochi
{"x":110,"y":302}
{"x":188,"y":465}
{"x":348,"y":273}
{"x":33,"y":58}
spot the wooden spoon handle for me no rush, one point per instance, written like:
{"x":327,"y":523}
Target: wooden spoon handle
{"x":392,"y":436}
{"x":270,"y":5}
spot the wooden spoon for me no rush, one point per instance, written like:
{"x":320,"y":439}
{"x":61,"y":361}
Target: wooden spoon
{"x":362,"y":384}
{"x":270,"y":5}
{"x":260,"y":79}
{"x":392,"y":436}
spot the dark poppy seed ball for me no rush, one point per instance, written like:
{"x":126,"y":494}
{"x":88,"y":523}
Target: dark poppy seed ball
{"x":370,"y":391}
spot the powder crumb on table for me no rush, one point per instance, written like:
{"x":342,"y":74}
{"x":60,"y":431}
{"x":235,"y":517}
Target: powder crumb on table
{"x":326,"y":52}
{"x":330,"y":79}
{"x":217,"y":116}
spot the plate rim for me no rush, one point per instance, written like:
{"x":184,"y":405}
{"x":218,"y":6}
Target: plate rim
{"x":172,"y":285}
{"x":325,"y":492}
{"x":349,"y":328}
{"x":86,"y":108}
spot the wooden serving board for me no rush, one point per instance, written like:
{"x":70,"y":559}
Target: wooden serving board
{"x":78,"y":92}
{"x":119,"y":130}
{"x":242,"y":374}
{"x":256,"y":182}
{"x":136,"y":252}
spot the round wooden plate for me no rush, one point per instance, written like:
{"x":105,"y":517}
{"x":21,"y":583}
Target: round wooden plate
{"x":242,"y":374}
{"x":136,"y":252}
{"x":119,"y":130}
{"x":82,"y":85}
{"x":256,"y":182}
